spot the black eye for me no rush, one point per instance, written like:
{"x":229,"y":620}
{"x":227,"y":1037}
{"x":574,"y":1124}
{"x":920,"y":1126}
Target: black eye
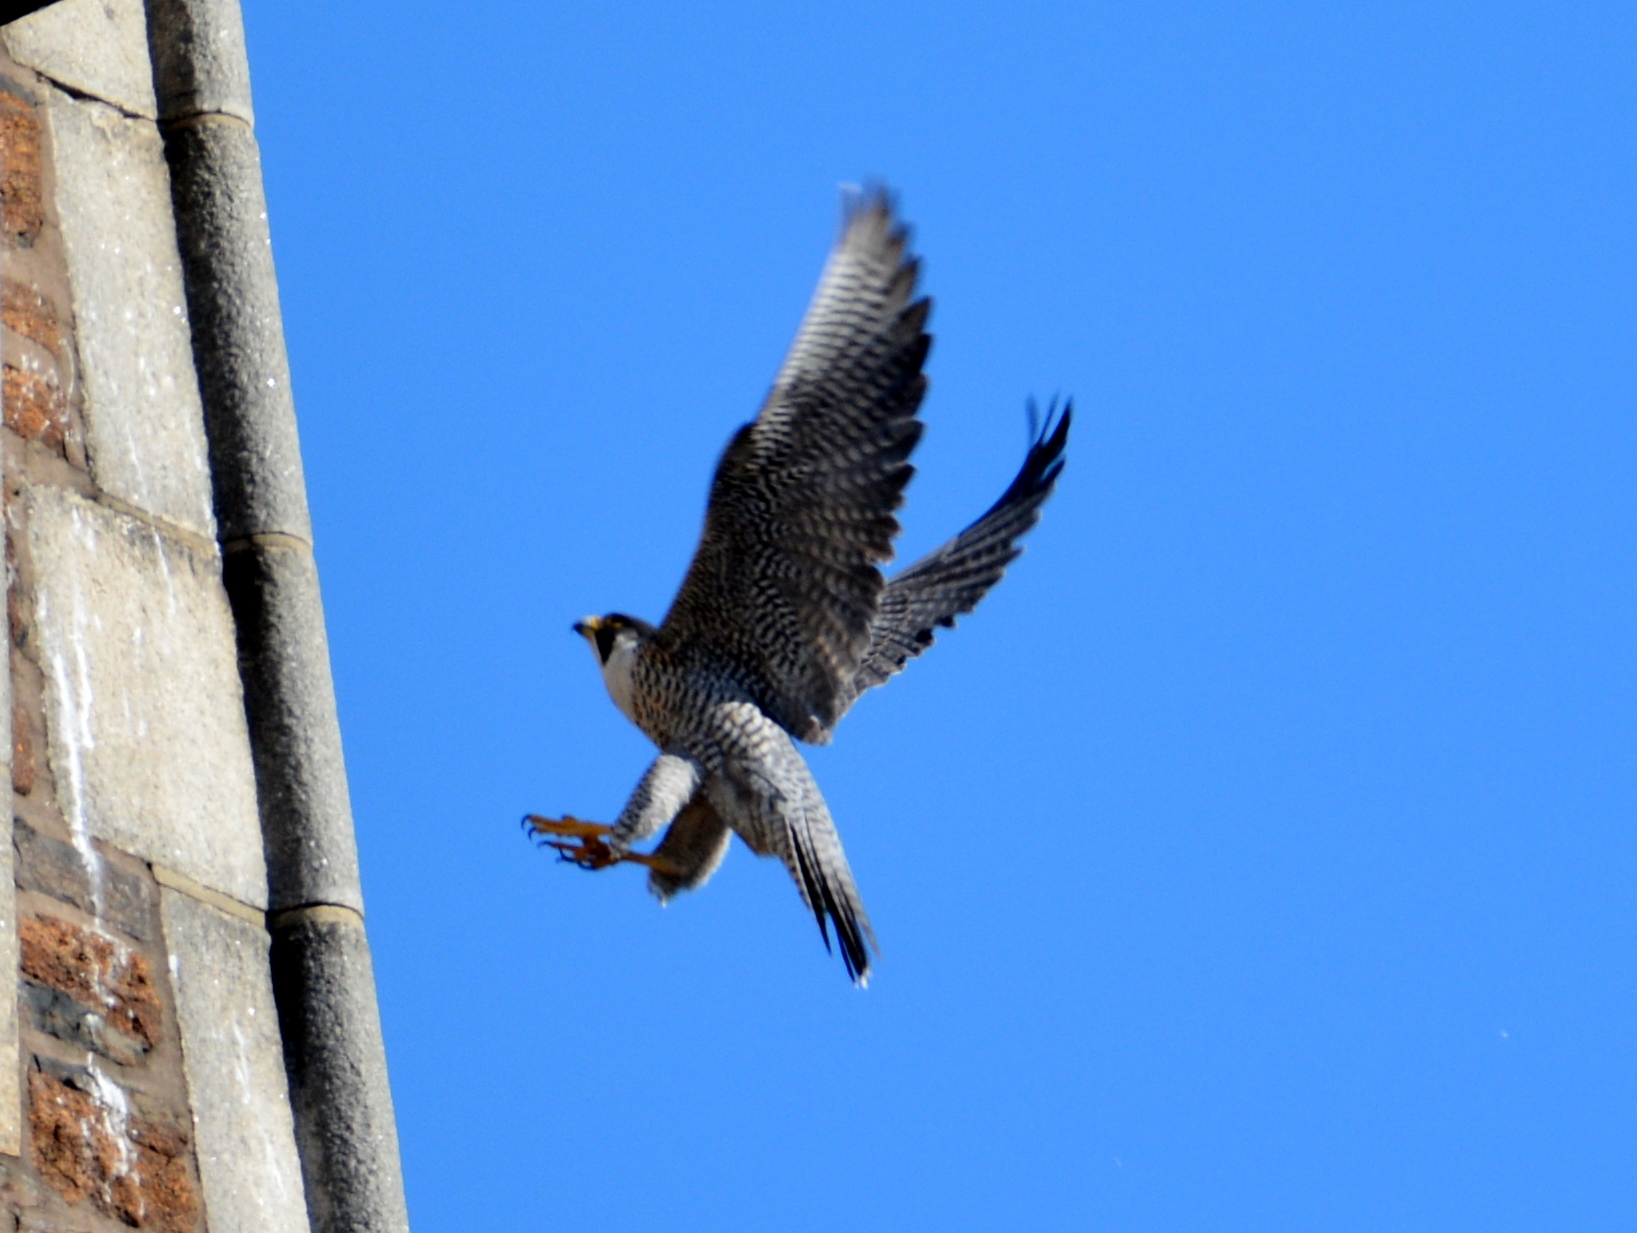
{"x":606,"y":634}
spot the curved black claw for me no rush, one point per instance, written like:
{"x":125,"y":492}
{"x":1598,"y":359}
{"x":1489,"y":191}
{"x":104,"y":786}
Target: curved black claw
{"x":579,"y":843}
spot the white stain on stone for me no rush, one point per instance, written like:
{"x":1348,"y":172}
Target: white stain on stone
{"x":115,"y":1107}
{"x":72,"y":719}
{"x":146,"y":723}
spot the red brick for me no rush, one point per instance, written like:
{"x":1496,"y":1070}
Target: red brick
{"x":96,"y":970}
{"x":22,"y":753}
{"x":27,"y":312}
{"x":132,"y":1170}
{"x":35,"y":407}
{"x":21,"y":211}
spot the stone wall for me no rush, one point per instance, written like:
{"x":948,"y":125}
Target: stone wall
{"x":142,"y":1079}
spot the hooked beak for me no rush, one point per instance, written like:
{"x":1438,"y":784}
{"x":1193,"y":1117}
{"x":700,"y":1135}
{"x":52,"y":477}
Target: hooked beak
{"x":588,"y":628}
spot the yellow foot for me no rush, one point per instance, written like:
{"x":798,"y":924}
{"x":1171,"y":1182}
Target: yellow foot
{"x":583,"y":844}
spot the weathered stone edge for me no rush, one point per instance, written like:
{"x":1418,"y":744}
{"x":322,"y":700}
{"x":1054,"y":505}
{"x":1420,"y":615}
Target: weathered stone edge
{"x":198,"y":890}
{"x":323,"y":979}
{"x":346,"y":1132}
{"x":295,"y":734}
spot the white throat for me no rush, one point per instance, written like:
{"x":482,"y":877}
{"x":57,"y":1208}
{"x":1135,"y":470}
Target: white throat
{"x":622,"y":661}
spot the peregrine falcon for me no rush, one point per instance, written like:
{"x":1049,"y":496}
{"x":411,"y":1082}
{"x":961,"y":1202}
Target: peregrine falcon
{"x":784,"y":618}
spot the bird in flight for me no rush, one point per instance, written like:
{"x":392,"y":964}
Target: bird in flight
{"x":784,"y":618}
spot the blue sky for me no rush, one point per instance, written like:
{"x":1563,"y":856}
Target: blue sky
{"x":1259,"y":856}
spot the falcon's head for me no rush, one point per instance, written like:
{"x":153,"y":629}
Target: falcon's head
{"x":615,"y":640}
{"x":613,"y":633}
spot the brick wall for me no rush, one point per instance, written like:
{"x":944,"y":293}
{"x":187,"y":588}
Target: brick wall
{"x":141,"y":1077}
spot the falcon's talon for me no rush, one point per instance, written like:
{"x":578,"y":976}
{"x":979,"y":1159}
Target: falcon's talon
{"x":582,"y":844}
{"x":568,"y":825}
{"x":589,"y":853}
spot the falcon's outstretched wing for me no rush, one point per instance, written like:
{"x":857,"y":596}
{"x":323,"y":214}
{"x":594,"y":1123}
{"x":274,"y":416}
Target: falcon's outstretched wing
{"x":950,"y":581}
{"x":784,"y":585}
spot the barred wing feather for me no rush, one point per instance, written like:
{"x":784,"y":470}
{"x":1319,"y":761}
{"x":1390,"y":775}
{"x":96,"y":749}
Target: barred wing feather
{"x":950,"y":581}
{"x":785,"y":584}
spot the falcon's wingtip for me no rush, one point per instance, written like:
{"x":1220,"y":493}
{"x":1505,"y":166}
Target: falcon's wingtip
{"x":870,"y":211}
{"x":1050,"y":432}
{"x":1048,"y":438}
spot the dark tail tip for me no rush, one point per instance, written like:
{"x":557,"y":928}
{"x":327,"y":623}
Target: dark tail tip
{"x":853,"y":932}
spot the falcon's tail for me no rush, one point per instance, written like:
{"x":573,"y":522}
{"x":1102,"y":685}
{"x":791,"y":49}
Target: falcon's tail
{"x":825,"y":881}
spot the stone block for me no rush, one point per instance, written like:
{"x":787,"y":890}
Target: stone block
{"x":199,"y":58}
{"x":121,"y":899}
{"x":95,"y":47}
{"x":27,"y":313}
{"x":144,"y":715}
{"x":244,"y":1138}
{"x":11,"y":1093}
{"x":144,"y":424}
{"x":74,"y":1023}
